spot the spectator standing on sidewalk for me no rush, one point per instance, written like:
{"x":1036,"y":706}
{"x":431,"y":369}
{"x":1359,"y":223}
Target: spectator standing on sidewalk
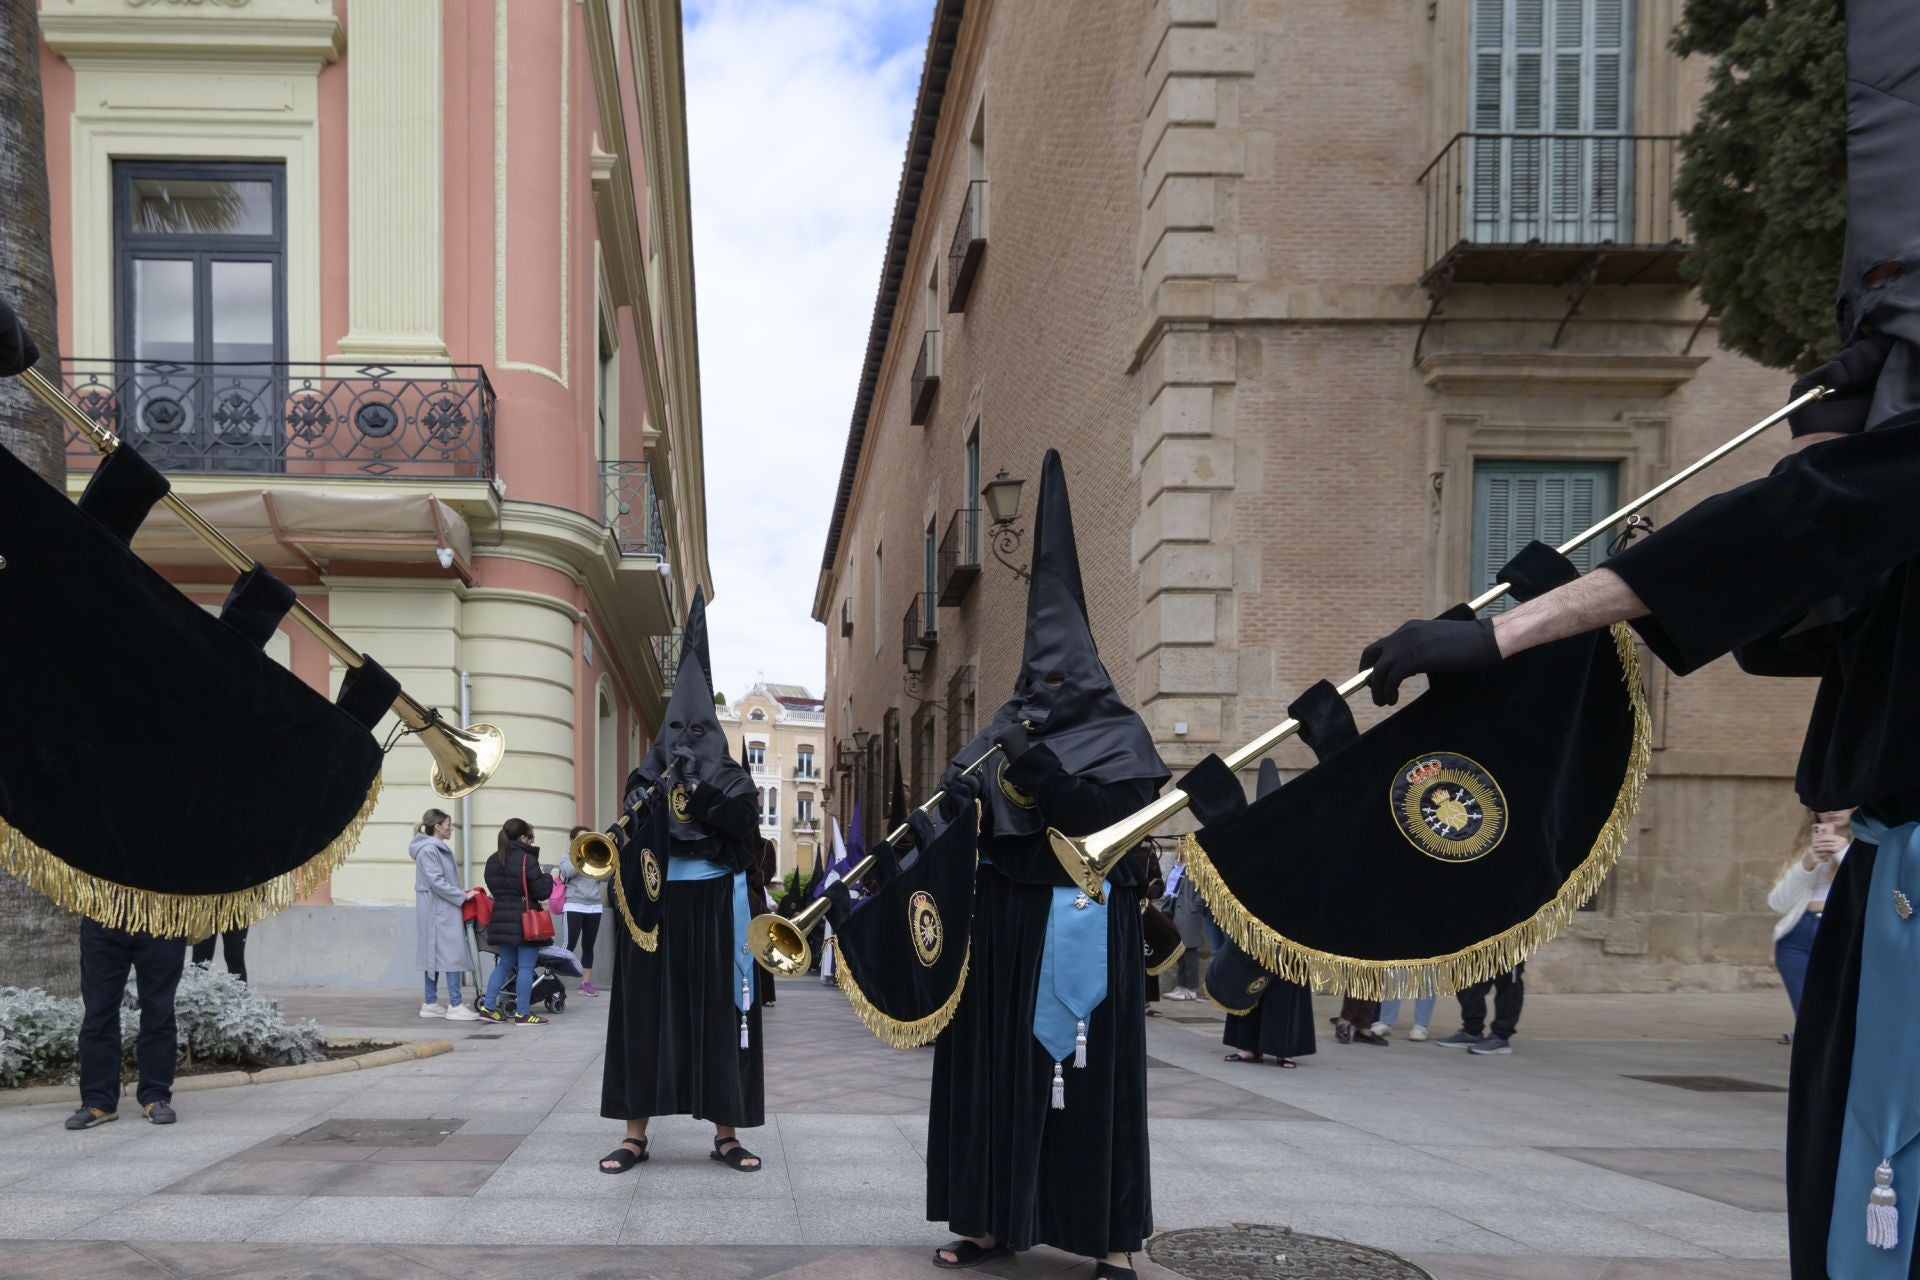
{"x":105,"y":956}
{"x":518,"y":884}
{"x":1509,"y":992}
{"x":1189,"y":916}
{"x":440,"y":938}
{"x":233,"y":947}
{"x":586,"y":900}
{"x":1422,"y":1016}
{"x":1800,"y":896}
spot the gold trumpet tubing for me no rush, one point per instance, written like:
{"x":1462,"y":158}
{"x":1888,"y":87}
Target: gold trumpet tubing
{"x":1091,"y":858}
{"x":780,"y":945}
{"x":415,"y":716}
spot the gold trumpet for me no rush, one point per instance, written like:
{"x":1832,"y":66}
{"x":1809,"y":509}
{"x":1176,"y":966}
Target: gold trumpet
{"x":1089,"y":859}
{"x":463,"y":759}
{"x":780,"y":945}
{"x":592,"y":852}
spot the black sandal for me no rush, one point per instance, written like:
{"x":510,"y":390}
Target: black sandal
{"x":624,"y":1157}
{"x":1236,"y":1057}
{"x":968,"y":1254}
{"x":734,"y":1157}
{"x":1287,"y":1064}
{"x":1112,"y":1271}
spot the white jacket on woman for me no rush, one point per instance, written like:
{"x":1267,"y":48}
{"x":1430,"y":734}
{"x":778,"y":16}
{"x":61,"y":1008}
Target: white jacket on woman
{"x":1797,"y":887}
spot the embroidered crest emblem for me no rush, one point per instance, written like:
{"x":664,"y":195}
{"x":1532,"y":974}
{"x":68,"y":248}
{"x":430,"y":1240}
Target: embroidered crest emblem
{"x":1259,"y":984}
{"x":1081,"y":902}
{"x":650,"y":874}
{"x":1010,"y":791}
{"x":1448,"y":807}
{"x":678,"y":802}
{"x":1902,"y":905}
{"x":923,"y":919}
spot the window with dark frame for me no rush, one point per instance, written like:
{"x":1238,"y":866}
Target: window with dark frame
{"x":200,"y":280}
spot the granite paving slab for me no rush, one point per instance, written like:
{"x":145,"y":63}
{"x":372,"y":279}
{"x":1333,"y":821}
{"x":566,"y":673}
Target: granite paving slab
{"x":1745,"y":1179}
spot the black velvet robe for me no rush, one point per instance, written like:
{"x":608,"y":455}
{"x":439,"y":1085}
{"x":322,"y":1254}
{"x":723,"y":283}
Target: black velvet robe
{"x":1280,"y":1026}
{"x":1834,"y":529}
{"x":1000,"y":1161}
{"x":673,"y":1029}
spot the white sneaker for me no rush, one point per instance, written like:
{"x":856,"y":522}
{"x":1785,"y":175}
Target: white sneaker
{"x":433,"y":1011}
{"x":460,"y":1013}
{"x":1419,"y":1032}
{"x":1382,"y":1029}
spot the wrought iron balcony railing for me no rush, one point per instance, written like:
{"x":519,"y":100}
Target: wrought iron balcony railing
{"x":926,"y":378}
{"x":289,"y":418}
{"x":633,"y":509}
{"x":959,"y":557}
{"x":969,"y":245}
{"x":1537,"y":208}
{"x":918,"y":626}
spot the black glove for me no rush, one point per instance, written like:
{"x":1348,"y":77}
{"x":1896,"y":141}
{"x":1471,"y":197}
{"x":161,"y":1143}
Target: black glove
{"x":1013,"y":740}
{"x":1427,"y":647}
{"x":17,"y":352}
{"x":1850,"y":378}
{"x":688,"y":765}
{"x":962,"y":790}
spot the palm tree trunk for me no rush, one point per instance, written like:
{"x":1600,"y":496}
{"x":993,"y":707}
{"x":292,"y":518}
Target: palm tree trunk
{"x":39,"y":942}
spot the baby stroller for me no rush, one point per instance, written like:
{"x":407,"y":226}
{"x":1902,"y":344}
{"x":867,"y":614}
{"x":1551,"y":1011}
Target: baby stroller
{"x":554,"y":963}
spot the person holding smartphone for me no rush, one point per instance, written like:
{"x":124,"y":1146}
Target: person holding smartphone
{"x":1800,"y":896}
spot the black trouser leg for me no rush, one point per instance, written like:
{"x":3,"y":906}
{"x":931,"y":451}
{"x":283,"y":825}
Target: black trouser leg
{"x":1361,"y":1013}
{"x":583,"y":928}
{"x":1473,"y":1008}
{"x":157,"y":963}
{"x":203,"y":951}
{"x":234,"y":946}
{"x":1509,"y":992}
{"x":105,"y":955}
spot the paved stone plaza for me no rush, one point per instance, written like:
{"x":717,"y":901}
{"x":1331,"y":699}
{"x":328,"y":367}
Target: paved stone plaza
{"x":1554,"y":1164}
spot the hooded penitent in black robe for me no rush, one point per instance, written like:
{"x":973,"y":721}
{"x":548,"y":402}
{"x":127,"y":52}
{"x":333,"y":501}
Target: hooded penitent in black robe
{"x":1001,"y":1161}
{"x":1812,"y":571}
{"x":1281,"y":1025}
{"x":673,"y":1029}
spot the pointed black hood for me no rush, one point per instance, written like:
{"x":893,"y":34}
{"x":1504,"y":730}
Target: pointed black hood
{"x":691,"y":722}
{"x":1883,"y":194}
{"x":1269,"y":780}
{"x":1063,"y":690}
{"x":693,"y":636}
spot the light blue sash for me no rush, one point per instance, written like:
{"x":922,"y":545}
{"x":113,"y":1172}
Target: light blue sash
{"x":1073,"y":980}
{"x":679,"y":868}
{"x":1883,"y":1091}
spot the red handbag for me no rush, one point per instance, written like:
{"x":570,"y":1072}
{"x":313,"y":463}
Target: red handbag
{"x":536,"y":923}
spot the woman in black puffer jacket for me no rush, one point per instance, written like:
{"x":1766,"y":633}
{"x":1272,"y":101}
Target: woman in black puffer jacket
{"x":516,"y":881}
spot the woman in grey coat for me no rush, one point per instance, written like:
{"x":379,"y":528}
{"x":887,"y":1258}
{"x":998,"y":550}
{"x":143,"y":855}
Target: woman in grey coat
{"x":441,"y":946}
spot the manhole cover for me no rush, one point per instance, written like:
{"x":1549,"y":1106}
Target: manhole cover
{"x":375,"y":1133}
{"x":1247,"y":1251}
{"x":1712,"y":1084}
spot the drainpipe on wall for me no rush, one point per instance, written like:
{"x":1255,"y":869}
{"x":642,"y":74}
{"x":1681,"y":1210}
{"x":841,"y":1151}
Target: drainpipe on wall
{"x":466,"y":801}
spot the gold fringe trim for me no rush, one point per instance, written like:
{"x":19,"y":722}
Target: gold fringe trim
{"x":1427,"y":975}
{"x":891,"y":1031}
{"x":648,"y":939}
{"x":174,"y":915}
{"x":1155,"y":971}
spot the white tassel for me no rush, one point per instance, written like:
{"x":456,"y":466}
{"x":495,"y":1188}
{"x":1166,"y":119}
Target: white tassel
{"x":1059,"y":1089}
{"x":1883,"y":1220}
{"x":746,"y":994}
{"x":1080,"y":1045}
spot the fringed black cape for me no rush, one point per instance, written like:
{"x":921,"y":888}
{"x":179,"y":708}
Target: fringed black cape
{"x":1280,"y":1026}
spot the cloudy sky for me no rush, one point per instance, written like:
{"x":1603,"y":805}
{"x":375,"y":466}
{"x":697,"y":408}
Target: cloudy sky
{"x":797,"y":115}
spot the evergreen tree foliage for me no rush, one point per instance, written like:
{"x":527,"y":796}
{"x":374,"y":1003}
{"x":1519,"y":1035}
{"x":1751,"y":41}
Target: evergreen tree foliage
{"x":1762,"y":178}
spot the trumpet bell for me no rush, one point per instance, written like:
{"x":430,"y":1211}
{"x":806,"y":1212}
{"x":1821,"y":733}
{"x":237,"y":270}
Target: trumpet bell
{"x":463,"y":759}
{"x":1087,"y":871}
{"x":592,"y":854}
{"x":779,"y":946}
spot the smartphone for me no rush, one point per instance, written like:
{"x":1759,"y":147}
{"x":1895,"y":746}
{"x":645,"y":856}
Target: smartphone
{"x":1823,"y":828}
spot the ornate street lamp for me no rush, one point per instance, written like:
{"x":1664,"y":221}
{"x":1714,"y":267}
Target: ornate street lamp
{"x":1002,"y":495}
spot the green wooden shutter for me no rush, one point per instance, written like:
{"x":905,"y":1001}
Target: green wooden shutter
{"x":1516,"y":502}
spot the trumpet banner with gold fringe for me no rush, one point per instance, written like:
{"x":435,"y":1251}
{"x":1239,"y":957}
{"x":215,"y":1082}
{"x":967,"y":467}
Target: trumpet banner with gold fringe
{"x":902,"y":956}
{"x":1451,"y":840}
{"x":158,"y":771}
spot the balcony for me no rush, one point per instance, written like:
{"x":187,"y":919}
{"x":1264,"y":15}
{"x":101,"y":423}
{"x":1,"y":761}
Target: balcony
{"x":918,"y":626}
{"x":633,"y":509}
{"x":807,"y":773}
{"x":969,"y":246}
{"x":958,"y":562}
{"x":926,"y":378}
{"x":806,"y":826}
{"x":289,"y":418}
{"x":1555,"y":209}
